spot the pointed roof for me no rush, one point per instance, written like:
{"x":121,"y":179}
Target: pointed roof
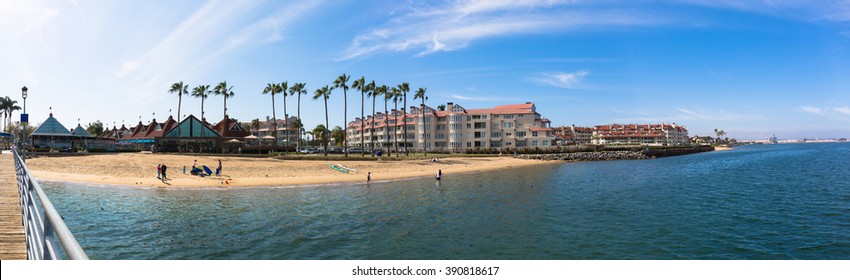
{"x":191,"y":127}
{"x":80,"y":132}
{"x":230,"y":129}
{"x":51,"y":127}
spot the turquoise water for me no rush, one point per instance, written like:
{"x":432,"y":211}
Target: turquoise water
{"x":753,"y":202}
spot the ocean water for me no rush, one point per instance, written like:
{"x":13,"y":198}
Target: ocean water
{"x":753,"y":202}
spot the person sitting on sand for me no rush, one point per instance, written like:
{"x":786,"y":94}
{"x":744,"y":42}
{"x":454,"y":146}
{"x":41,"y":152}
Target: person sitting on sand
{"x":218,"y":169}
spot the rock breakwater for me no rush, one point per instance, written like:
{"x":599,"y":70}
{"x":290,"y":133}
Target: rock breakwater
{"x":588,"y":156}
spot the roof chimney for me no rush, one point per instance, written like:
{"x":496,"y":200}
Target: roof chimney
{"x":449,"y":106}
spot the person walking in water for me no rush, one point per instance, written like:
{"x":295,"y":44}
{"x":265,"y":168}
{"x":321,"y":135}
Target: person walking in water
{"x":439,"y":174}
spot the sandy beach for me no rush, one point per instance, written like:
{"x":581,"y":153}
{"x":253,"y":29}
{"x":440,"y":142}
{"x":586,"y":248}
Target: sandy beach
{"x":140,"y":169}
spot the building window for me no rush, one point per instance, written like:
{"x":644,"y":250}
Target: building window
{"x":507,"y":125}
{"x":534,"y":143}
{"x":456,"y":135}
{"x":456,"y":118}
{"x":520,"y":134}
{"x":441,"y":136}
{"x":441,"y":127}
{"x":545,"y":143}
{"x":534,"y":134}
{"x":509,"y":117}
{"x":496,"y":134}
{"x":457,"y":126}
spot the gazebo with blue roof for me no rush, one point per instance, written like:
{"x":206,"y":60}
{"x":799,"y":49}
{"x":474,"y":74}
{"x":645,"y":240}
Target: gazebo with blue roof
{"x":51,"y":134}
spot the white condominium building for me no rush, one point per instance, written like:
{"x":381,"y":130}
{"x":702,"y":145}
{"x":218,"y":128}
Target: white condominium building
{"x":640,"y":134}
{"x":454,"y":129}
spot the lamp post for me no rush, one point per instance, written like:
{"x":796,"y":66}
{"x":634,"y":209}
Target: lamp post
{"x":24,"y":122}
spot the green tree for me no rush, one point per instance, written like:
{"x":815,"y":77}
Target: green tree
{"x":226,"y":92}
{"x":420,"y":94}
{"x":441,"y":107}
{"x":342,"y":82}
{"x":396,"y":96}
{"x":180,"y":89}
{"x":338,"y":135}
{"x":361,"y":85}
{"x":255,"y":123}
{"x":387,"y":96}
{"x":272,"y":88}
{"x":324,"y":93}
{"x":202,"y":92}
{"x":404,"y":88}
{"x":8,"y":107}
{"x":283,"y":86}
{"x":318,"y":133}
{"x":374,"y":92}
{"x":95,"y":128}
{"x":298,"y":89}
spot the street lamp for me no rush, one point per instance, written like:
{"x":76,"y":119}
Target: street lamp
{"x":24,"y":121}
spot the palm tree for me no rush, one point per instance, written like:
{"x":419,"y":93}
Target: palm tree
{"x":324,"y":93}
{"x":319,"y":133}
{"x":441,"y":107}
{"x":387,"y":96}
{"x":180,"y":89}
{"x":373,"y":93}
{"x":298,"y":89}
{"x":7,"y":107}
{"x":272,"y":88}
{"x":361,"y":85}
{"x":420,"y":94}
{"x":404,"y":88}
{"x":202,"y":92}
{"x":338,"y":135}
{"x":282,"y":88}
{"x":255,"y":123}
{"x":309,"y":134}
{"x":396,"y":95}
{"x":225,"y":91}
{"x":342,"y":82}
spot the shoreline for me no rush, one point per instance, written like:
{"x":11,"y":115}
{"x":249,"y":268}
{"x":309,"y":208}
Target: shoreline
{"x":139,"y":170}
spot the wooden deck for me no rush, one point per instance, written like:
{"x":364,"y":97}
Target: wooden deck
{"x":12,"y":243}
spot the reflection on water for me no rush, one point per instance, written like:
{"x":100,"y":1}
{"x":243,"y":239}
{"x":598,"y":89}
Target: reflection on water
{"x":756,"y":202}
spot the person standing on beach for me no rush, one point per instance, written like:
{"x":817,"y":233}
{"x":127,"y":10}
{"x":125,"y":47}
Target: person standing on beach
{"x":159,"y":171}
{"x":369,"y":177}
{"x":439,"y":174}
{"x":164,"y":168}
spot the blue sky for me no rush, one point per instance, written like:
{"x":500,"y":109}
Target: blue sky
{"x":751,"y":68}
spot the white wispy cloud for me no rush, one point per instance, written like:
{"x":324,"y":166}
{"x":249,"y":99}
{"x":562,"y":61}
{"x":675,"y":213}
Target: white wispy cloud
{"x":812,"y":109}
{"x":842,"y":110}
{"x":475,"y":98}
{"x":561,"y":79}
{"x":679,"y":114}
{"x":456,"y":24}
{"x":203,"y":40}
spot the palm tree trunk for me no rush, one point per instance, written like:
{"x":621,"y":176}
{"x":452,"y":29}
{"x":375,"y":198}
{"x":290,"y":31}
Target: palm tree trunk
{"x":299,"y":119}
{"x":285,"y":123}
{"x":372,"y":131}
{"x":424,"y":130}
{"x":386,"y":125}
{"x":404,"y":119}
{"x":345,"y":120}
{"x":274,"y":121}
{"x":362,"y":121}
{"x":179,"y":133}
{"x":202,"y":108}
{"x":395,"y":130}
{"x":325,"y":133}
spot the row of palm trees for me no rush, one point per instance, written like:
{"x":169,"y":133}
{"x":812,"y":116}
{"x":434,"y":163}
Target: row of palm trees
{"x":7,"y":107}
{"x":202,"y":92}
{"x":370,"y":90}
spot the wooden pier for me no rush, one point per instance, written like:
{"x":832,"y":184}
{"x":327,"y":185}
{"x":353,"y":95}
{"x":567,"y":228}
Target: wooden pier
{"x":12,"y":242}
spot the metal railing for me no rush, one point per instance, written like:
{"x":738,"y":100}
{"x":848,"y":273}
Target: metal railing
{"x":40,"y":235}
